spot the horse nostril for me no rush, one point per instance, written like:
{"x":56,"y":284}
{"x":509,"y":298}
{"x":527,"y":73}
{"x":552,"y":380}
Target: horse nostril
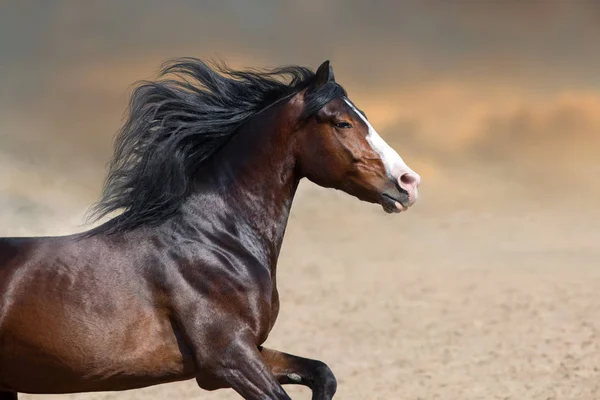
{"x":410,"y":180}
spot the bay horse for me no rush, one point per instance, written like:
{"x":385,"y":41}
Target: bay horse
{"x":181,"y":284}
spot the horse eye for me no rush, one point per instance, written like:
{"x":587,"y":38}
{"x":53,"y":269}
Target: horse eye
{"x":343,"y":125}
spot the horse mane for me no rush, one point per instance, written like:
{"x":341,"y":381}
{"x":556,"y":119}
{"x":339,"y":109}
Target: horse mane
{"x":177,"y":123}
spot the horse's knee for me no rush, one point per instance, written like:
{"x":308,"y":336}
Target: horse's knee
{"x":327,"y":383}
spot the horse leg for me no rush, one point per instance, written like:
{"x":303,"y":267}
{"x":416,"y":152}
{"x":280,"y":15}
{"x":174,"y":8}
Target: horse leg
{"x":241,"y":367}
{"x":8,"y":396}
{"x":290,"y":369}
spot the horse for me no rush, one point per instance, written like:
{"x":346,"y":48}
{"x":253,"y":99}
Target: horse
{"x":181,"y":283}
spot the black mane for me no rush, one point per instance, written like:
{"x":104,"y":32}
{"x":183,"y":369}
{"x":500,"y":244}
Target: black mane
{"x":178,"y":122}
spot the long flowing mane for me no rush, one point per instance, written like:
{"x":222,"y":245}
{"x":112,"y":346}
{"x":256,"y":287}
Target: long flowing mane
{"x":178,"y":122}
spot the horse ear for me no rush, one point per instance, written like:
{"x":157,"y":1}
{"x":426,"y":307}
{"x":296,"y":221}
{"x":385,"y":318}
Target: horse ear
{"x":324,"y":74}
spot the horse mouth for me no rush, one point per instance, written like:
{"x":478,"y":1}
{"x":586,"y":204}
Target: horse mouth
{"x":392,"y":204}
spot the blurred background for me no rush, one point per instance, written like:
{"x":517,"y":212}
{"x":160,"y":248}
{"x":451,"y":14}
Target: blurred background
{"x":487,"y":288}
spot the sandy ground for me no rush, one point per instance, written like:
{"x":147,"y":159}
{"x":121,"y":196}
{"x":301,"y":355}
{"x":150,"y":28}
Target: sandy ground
{"x":467,"y":296}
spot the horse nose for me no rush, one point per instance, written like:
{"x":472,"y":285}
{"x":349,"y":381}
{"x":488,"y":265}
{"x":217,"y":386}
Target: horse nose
{"x":410,"y":181}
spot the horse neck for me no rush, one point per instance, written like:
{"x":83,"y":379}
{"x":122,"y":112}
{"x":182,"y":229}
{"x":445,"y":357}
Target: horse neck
{"x":254,"y":179}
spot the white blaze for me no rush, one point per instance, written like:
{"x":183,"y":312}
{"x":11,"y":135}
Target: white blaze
{"x":393,"y":163}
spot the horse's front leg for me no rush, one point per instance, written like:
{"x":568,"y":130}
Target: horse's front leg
{"x":226,"y":356}
{"x":243,"y":368}
{"x":290,"y":369}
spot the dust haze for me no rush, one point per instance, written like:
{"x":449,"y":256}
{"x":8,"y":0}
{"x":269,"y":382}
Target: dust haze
{"x":487,"y":288}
